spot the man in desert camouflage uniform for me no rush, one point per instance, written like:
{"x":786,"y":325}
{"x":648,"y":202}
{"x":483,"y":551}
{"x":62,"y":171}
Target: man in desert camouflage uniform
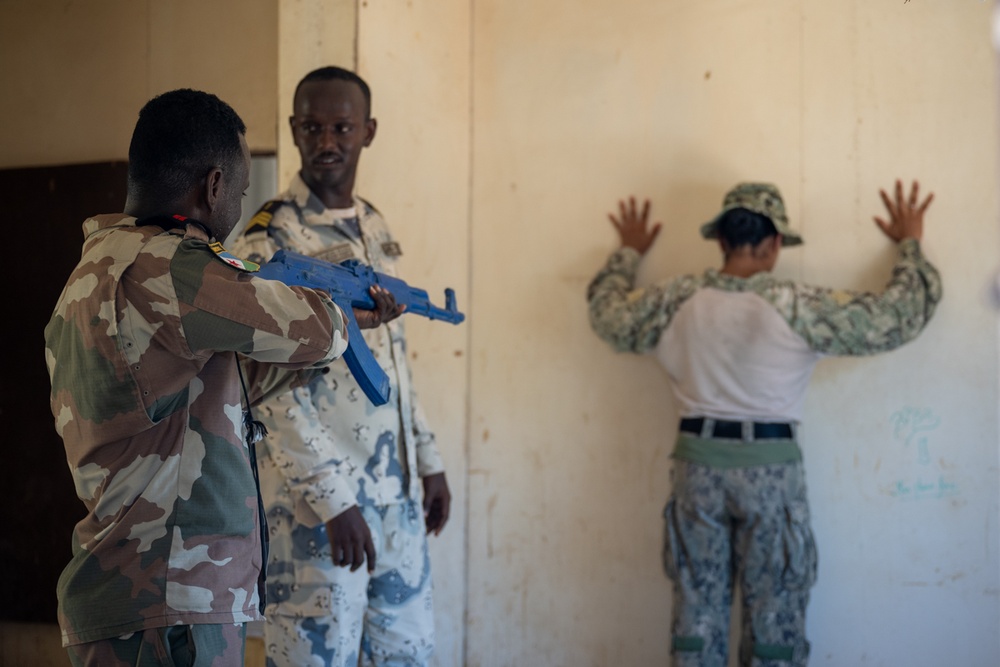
{"x":142,"y":355}
{"x":341,"y":477}
{"x":739,"y":346}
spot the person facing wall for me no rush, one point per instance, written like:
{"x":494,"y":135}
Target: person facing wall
{"x":739,"y":346}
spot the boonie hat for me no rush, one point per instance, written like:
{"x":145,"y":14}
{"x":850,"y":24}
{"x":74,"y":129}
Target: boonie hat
{"x":762,"y":198}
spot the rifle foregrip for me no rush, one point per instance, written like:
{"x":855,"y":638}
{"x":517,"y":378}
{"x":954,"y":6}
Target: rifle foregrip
{"x":365,"y":369}
{"x":348,"y":283}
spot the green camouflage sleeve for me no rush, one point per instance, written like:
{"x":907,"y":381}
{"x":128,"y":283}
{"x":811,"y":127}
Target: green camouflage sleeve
{"x":265,"y":380}
{"x":225,"y":309}
{"x":631,"y":320}
{"x":848,"y":323}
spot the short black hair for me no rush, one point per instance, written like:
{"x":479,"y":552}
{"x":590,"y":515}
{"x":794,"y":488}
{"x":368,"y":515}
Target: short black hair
{"x":740,"y":226}
{"x":333,"y":73}
{"x":179,"y":137}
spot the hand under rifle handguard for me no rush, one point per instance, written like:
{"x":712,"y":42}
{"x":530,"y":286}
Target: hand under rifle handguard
{"x":348,"y":284}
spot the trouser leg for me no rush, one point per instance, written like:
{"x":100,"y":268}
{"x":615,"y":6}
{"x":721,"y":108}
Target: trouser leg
{"x":310,"y":641}
{"x":385,"y":619}
{"x":697,"y":559}
{"x":204,"y":645}
{"x":330,"y":635}
{"x":399,"y":624}
{"x":778,"y":554}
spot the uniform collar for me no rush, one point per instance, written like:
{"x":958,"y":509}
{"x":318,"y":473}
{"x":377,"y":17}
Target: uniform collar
{"x":98,"y":222}
{"x":309,"y":202}
{"x":724,"y":281}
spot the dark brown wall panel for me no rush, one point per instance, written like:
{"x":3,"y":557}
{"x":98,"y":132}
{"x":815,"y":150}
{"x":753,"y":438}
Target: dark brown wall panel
{"x":44,"y":209}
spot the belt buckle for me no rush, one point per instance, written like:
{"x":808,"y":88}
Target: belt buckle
{"x":747,"y":431}
{"x":708,"y":428}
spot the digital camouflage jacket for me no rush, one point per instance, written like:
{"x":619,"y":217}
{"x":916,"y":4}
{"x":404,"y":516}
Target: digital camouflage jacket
{"x":830,"y":321}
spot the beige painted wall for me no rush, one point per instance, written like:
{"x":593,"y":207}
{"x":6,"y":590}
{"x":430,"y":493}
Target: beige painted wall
{"x":75,"y":73}
{"x":507,"y":130}
{"x":579,"y":103}
{"x":276,"y":42}
{"x":415,"y":57}
{"x":311,"y":34}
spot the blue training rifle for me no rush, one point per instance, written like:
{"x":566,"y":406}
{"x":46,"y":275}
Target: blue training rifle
{"x":348,"y":284}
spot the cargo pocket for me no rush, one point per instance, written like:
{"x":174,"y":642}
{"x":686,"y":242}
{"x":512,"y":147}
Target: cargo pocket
{"x":670,"y":540}
{"x":798,"y":547}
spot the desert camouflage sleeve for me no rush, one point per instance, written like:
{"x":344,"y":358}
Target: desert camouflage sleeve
{"x":297,"y":441}
{"x":429,"y":459}
{"x":307,"y":456}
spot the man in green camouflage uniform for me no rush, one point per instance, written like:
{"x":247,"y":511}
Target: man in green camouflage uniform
{"x":739,"y":346}
{"x":142,"y":355}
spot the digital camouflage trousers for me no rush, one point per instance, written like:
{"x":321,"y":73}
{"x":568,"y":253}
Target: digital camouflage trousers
{"x":749,"y":526}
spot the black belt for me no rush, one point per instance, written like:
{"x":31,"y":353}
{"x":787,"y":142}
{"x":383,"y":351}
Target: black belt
{"x":734,"y":430}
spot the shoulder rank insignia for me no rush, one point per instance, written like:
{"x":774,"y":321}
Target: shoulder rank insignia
{"x":391,"y":249}
{"x":262,"y":218}
{"x":370,"y":206}
{"x":231,"y":259}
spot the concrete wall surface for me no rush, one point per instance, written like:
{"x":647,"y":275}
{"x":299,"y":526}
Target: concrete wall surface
{"x":507,"y":131}
{"x":76,"y":73}
{"x":577,"y":104}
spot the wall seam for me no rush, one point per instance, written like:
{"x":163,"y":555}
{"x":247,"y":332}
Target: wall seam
{"x":149,"y":50}
{"x":802,"y":136}
{"x":357,"y":35}
{"x":470,"y":190}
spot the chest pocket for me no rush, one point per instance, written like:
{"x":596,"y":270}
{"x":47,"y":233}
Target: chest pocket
{"x":337,"y":253}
